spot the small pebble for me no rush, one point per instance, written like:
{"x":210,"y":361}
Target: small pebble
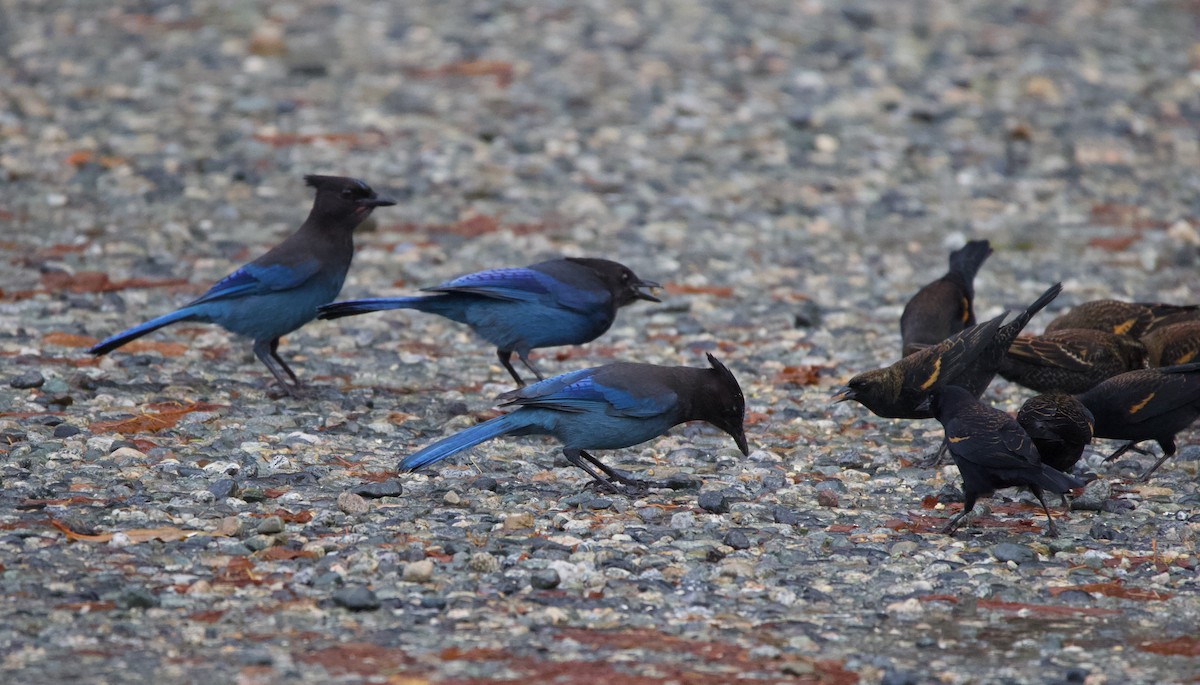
{"x":27,"y":379}
{"x":66,"y":430}
{"x":270,"y":525}
{"x":484,"y":562}
{"x":356,"y":598}
{"x":417,"y":571}
{"x":387,"y":488}
{"x":544,"y":579}
{"x":1007,"y":551}
{"x":714,"y":501}
{"x":352,"y":504}
{"x":827,"y":498}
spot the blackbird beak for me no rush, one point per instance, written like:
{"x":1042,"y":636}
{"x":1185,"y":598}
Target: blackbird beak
{"x":843,"y":395}
{"x":642,"y":295}
{"x":739,"y":437}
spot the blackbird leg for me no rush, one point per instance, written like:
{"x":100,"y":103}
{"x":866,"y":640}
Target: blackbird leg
{"x":576,"y":458}
{"x":505,"y":357}
{"x":958,"y":519}
{"x":1050,"y":529}
{"x":276,"y":357}
{"x":1127,"y":447}
{"x":1168,"y":448}
{"x":935,"y":458}
{"x":262,"y":350}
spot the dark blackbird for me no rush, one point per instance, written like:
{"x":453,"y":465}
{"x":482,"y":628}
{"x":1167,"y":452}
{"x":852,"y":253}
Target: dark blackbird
{"x":1060,"y":427}
{"x":1171,"y":345}
{"x":945,"y":306}
{"x":901,"y":391}
{"x":981,"y":372}
{"x":992,"y":451}
{"x":1133,"y":319}
{"x":1070,"y":360}
{"x":1147,"y":404}
{"x":968,"y":358}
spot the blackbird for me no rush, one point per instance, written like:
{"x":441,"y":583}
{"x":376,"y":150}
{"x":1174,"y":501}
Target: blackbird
{"x":1060,"y":427}
{"x":1070,"y":360}
{"x":945,"y":306}
{"x":1147,"y":404}
{"x":992,"y":451}
{"x":968,"y":358}
{"x":1134,"y":319}
{"x":1171,"y":345}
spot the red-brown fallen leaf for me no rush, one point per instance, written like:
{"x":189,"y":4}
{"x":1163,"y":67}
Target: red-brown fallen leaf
{"x":929,"y":502}
{"x":287,"y":516}
{"x":1113,"y":213}
{"x":841,"y":528}
{"x":272,"y":493}
{"x":1184,"y":645}
{"x":684,"y":289}
{"x":474,"y":654}
{"x":285,"y":554}
{"x":1114,"y":588}
{"x":97,"y":282}
{"x":797,"y":375}
{"x":1116,"y":243}
{"x":68,"y":340}
{"x":361,"y":658}
{"x":238,"y":571}
{"x":166,"y":349}
{"x":501,"y":71}
{"x":160,"y":416}
{"x":87,"y":607}
{"x":61,"y":501}
{"x":355,"y":140}
{"x":753,"y":418}
{"x":166,"y":534}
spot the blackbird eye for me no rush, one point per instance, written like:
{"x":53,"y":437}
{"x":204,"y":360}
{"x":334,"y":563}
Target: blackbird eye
{"x":347,"y":193}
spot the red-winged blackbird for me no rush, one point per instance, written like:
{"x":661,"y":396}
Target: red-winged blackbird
{"x":992,"y":451}
{"x":901,"y":391}
{"x":1133,"y":319}
{"x":1060,"y":427}
{"x":1147,"y":404}
{"x":945,"y":306}
{"x":968,"y":358}
{"x":1171,"y":345}
{"x":1070,"y":360}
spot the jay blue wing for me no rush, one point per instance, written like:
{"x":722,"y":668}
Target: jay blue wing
{"x":281,"y":290}
{"x":607,"y":407}
{"x":567,"y":301}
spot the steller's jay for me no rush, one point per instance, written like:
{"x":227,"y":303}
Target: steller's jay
{"x":568,"y":301}
{"x":281,"y":290}
{"x":607,"y":407}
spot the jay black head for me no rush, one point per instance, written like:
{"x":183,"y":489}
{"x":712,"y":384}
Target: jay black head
{"x":722,"y":403}
{"x":341,"y":199}
{"x":624,"y":285}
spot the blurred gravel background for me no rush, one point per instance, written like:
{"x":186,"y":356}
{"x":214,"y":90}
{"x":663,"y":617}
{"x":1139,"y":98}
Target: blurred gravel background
{"x":793,"y":171}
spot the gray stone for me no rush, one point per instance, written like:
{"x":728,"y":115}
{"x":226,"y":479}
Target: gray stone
{"x":1094,"y":495}
{"x":387,"y":488}
{"x":714,"y":501}
{"x":356,"y":598}
{"x":27,"y":379}
{"x":1007,"y":551}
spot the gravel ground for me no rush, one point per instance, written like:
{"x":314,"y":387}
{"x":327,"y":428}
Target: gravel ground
{"x":792,"y":171}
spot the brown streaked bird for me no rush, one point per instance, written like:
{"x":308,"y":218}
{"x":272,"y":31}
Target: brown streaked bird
{"x":945,"y":306}
{"x":1070,"y":360}
{"x":1060,"y":427}
{"x":968,"y":358}
{"x":1171,"y":345}
{"x":1134,"y":319}
{"x":901,"y":391}
{"x":993,"y":451}
{"x":1147,"y":404}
